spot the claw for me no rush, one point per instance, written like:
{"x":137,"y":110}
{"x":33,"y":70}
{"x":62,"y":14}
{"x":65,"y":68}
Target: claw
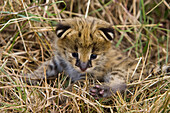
{"x":93,"y":94}
{"x":96,"y":98}
{"x":93,"y":90}
{"x":97,"y":91}
{"x":98,"y":86}
{"x":101,"y":92}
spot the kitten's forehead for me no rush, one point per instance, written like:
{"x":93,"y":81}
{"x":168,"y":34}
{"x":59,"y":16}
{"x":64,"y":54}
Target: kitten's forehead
{"x":87,"y":30}
{"x":89,"y":34}
{"x":86,"y":23}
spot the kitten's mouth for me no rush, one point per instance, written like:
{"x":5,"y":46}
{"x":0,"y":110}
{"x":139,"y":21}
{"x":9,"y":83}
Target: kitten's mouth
{"x":83,"y":65}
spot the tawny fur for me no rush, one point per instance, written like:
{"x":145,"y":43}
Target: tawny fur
{"x":87,"y":39}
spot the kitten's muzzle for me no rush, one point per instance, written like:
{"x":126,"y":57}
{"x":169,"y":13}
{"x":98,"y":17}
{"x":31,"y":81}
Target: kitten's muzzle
{"x":83,"y":65}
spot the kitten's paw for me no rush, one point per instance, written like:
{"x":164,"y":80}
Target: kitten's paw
{"x":99,"y":91}
{"x":166,"y":69}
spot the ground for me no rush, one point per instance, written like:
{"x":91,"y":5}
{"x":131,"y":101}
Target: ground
{"x":142,"y":32}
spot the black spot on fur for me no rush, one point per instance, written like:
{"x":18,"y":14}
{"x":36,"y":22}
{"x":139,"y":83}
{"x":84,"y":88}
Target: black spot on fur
{"x":76,"y":48}
{"x":114,"y":73}
{"x":119,"y":58}
{"x":55,"y":64}
{"x":63,"y":64}
{"x":79,"y":34}
{"x":91,"y":36}
{"x":168,"y":70}
{"x":50,"y":67}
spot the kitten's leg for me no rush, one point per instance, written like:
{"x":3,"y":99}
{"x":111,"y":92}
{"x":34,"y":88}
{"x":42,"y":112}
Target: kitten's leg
{"x":166,"y":69}
{"x":49,"y":68}
{"x":161,"y":69}
{"x":113,"y":82}
{"x":158,"y":70}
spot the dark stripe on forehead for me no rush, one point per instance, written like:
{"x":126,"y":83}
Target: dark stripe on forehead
{"x":91,"y":36}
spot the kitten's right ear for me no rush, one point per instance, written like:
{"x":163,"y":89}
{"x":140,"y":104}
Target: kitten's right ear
{"x":62,"y":30}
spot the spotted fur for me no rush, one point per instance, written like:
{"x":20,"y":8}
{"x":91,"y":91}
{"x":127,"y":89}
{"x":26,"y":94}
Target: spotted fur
{"x":85,"y":46}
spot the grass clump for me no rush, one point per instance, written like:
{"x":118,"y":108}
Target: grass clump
{"x":142,"y":32}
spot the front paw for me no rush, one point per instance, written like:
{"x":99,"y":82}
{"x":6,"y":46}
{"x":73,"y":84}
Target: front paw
{"x":99,"y":91}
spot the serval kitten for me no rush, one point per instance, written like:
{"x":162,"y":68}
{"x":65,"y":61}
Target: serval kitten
{"x":86,"y":46}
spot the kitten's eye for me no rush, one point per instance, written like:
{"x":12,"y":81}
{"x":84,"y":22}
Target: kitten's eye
{"x":93,"y":56}
{"x":75,"y":55}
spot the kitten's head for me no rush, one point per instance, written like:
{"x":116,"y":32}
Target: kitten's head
{"x":83,"y":42}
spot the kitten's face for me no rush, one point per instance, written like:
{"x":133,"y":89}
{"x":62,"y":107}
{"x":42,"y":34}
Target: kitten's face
{"x":83,"y":42}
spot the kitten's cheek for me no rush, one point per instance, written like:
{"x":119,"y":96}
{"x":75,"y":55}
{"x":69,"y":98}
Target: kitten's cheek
{"x":73,"y":63}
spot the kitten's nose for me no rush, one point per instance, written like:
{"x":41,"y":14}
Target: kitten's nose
{"x":83,"y":66}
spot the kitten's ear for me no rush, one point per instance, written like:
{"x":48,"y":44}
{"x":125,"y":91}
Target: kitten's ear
{"x":108,"y":33}
{"x":62,"y":30}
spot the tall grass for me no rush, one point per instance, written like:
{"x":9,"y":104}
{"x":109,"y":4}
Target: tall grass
{"x":142,"y":32}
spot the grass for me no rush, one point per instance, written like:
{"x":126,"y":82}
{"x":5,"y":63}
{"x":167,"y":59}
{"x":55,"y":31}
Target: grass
{"x":142,"y":32}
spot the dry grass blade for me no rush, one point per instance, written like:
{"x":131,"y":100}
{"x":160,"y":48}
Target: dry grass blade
{"x":26,"y":34}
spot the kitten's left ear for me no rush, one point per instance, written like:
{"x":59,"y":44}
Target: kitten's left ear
{"x":62,"y":30}
{"x":108,"y":33}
